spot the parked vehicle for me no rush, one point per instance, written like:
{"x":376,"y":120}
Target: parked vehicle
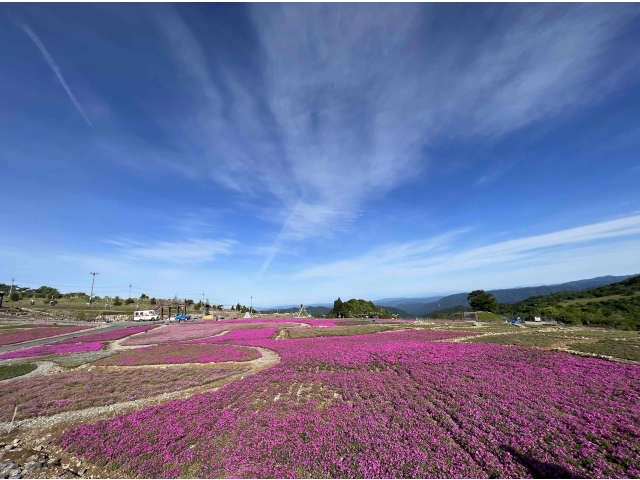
{"x":145,"y":316}
{"x":180,"y":317}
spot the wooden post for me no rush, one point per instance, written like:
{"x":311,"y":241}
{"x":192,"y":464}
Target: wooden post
{"x":15,"y":410}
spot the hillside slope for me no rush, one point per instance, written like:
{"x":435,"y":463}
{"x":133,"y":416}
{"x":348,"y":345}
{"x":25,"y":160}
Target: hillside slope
{"x":512,"y":295}
{"x":615,"y":305}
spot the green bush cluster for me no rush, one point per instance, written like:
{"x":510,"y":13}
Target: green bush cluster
{"x":623,"y":312}
{"x":357,"y":308}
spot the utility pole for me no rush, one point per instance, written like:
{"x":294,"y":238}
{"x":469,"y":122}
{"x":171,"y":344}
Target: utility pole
{"x":129,"y":291}
{"x":92,"y":282}
{"x":251,"y":307}
{"x":11,"y":289}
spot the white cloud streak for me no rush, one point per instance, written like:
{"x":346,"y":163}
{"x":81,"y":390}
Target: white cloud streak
{"x":56,"y":70}
{"x":182,"y":252}
{"x":355,"y":92}
{"x":420,"y":259}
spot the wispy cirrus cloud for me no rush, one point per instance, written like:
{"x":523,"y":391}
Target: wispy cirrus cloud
{"x":182,"y":252}
{"x":422,"y":259}
{"x":346,"y":96}
{"x":52,"y":64}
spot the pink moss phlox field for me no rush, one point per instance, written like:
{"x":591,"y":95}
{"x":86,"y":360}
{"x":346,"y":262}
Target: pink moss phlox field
{"x":391,"y":404}
{"x":182,"y":353}
{"x":263,"y":320}
{"x":108,"y":336}
{"x":78,"y":389}
{"x":55,"y":349}
{"x":29,"y":334}
{"x":321,"y":323}
{"x":238,"y":336}
{"x":190,"y":331}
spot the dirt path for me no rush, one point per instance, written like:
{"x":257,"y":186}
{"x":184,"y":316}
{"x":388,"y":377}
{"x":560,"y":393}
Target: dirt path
{"x":34,"y":428}
{"x":596,"y":355}
{"x":496,"y":334}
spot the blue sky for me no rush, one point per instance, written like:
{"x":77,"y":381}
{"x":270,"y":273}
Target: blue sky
{"x":301,"y":152}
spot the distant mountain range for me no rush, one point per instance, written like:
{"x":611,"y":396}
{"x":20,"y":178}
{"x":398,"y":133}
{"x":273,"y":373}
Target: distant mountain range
{"x":397,"y":301}
{"x":509,"y":295}
{"x":318,"y":310}
{"x":421,"y":306}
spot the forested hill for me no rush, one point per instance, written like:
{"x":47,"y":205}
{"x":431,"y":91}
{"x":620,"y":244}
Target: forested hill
{"x":617,"y":304}
{"x":397,"y":311}
{"x":511,"y":295}
{"x":357,"y":308}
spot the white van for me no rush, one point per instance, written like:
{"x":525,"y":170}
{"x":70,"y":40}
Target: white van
{"x":145,"y":316}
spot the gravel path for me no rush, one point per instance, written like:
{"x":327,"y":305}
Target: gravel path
{"x":495,"y":334}
{"x":44,"y":368}
{"x":35,"y":427}
{"x":596,"y":355}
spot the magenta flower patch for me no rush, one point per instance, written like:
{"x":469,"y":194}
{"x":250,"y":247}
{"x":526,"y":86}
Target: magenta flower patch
{"x":28,"y":334}
{"x":75,"y":390}
{"x":182,"y":353}
{"x":391,"y":404}
{"x":54,"y":349}
{"x":109,"y":336}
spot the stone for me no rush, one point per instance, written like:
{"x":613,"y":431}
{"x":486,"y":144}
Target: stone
{"x":66,"y":466}
{"x":5,"y":467}
{"x":32,"y":458}
{"x":82,"y":472}
{"x":30,"y":467}
{"x":53,"y":461}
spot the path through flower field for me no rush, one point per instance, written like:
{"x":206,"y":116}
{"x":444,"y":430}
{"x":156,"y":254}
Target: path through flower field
{"x":409,"y":402}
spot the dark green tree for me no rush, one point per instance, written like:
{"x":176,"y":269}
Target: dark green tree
{"x":482,"y":301}
{"x":338,"y":307}
{"x":15,"y":296}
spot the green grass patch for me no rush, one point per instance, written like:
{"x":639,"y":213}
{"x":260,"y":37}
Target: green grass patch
{"x":12,"y":371}
{"x":15,"y":326}
{"x":583,"y":301}
{"x":623,"y":349}
{"x":306,"y":332}
{"x":522,"y":339}
{"x":489,"y":317}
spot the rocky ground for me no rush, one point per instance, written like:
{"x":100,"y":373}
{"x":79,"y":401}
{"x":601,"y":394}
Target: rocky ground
{"x":39,"y":459}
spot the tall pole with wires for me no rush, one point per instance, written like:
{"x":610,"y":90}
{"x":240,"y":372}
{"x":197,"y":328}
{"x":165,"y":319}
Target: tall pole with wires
{"x":92,"y":282}
{"x":129,"y":291}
